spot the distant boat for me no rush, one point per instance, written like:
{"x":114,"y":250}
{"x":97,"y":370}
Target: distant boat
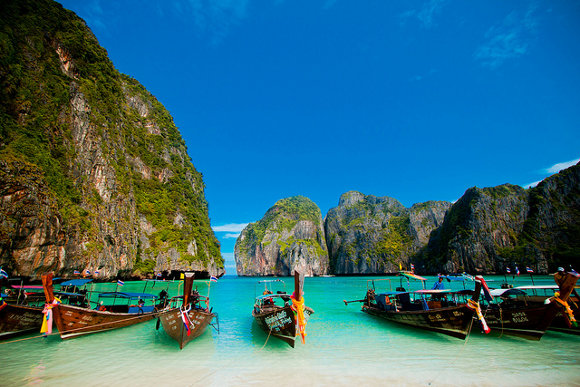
{"x":443,"y":311}
{"x":281,"y":315}
{"x":516,"y":314}
{"x":185,"y":318}
{"x":113,"y":310}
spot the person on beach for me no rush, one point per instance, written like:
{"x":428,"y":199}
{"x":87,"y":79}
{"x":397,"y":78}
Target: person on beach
{"x":439,"y":284}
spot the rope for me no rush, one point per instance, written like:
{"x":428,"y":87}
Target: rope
{"x":474,"y":305}
{"x":267,"y":338}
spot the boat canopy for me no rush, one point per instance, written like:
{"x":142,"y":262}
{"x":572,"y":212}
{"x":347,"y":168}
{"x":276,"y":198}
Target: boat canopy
{"x":507,"y":292}
{"x":434,"y":291}
{"x":132,"y":296}
{"x":261,"y":297}
{"x":27,"y":287}
{"x":547,"y":287}
{"x":76,"y":282}
{"x":408,"y":274}
{"x":459,"y":277}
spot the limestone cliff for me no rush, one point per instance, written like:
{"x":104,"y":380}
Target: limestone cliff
{"x":290,"y":236}
{"x":477,"y":225}
{"x":366,"y":234}
{"x":491,"y":228}
{"x":94,"y":173}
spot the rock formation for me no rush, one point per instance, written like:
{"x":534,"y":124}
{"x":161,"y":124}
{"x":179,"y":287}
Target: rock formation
{"x":290,"y":236}
{"x":485,"y":231}
{"x":490,"y":229}
{"x":366,"y":234}
{"x":94,"y":174}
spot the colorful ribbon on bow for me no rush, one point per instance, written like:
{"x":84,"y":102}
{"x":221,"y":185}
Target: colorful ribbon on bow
{"x":46,"y":327}
{"x":567,"y":309}
{"x":298,"y":308}
{"x":185,"y":319}
{"x":474,"y":305}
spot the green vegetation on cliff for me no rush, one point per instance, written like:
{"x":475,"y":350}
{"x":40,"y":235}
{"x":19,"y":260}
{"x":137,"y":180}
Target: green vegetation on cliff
{"x":51,"y":61}
{"x":284,"y":215}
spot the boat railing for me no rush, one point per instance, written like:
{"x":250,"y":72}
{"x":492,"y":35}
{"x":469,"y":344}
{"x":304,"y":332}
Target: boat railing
{"x":372,"y":283}
{"x":269,"y":287}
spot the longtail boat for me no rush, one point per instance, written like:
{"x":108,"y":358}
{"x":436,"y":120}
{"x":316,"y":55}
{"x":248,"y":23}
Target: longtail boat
{"x":73,"y":321}
{"x":538,"y":294}
{"x":20,"y":310}
{"x":18,"y":319}
{"x":442,"y":310}
{"x":282,"y":315}
{"x":187,"y":316}
{"x":512,"y":314}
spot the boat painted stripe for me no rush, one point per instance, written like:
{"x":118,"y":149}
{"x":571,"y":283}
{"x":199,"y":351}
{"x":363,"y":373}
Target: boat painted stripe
{"x":288,"y":337}
{"x":519,"y":330}
{"x":20,"y":331}
{"x":69,"y":335}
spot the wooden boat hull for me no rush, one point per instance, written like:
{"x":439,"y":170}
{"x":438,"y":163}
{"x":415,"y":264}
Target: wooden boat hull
{"x":19,"y":319}
{"x":172,"y":323}
{"x":73,"y":321}
{"x":530,"y":323}
{"x":454,"y":321}
{"x":560,"y":322}
{"x":530,"y":320}
{"x":280,"y":322}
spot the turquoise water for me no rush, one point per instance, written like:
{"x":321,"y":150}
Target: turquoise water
{"x":344,"y":346}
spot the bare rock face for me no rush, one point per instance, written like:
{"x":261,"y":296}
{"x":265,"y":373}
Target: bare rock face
{"x":366,"y":234}
{"x":289,"y":237}
{"x":490,"y":229}
{"x":94,"y":174}
{"x":477,"y":227}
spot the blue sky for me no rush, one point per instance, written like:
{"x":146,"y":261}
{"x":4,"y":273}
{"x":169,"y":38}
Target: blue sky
{"x":417,"y":100}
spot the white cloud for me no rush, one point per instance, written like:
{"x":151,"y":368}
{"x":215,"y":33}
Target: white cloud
{"x":232,"y":235}
{"x":230,"y":227}
{"x":559,"y":166}
{"x":426,"y":14}
{"x":215,"y":17}
{"x":429,"y":11}
{"x":531,"y":185}
{"x":551,"y":170}
{"x":508,"y":40}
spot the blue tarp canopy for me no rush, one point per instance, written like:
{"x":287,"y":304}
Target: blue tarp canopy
{"x":76,"y":282}
{"x":126,"y":295}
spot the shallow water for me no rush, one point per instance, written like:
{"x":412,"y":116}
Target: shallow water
{"x":344,"y":346}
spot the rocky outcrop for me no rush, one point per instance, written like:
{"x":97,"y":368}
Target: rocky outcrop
{"x":366,"y":234}
{"x":490,"y":229}
{"x":289,"y":237}
{"x":477,"y":227}
{"x":94,"y":174}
